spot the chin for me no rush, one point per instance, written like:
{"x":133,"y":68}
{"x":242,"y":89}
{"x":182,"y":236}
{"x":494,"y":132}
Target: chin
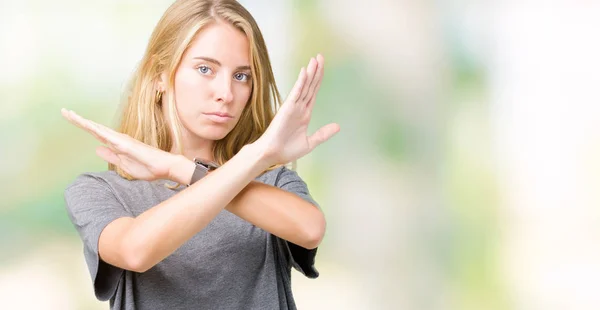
{"x":214,"y":134}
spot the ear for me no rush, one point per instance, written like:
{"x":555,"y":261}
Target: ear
{"x":161,"y":84}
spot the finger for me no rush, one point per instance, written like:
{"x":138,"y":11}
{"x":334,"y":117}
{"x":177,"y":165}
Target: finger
{"x":310,"y":76}
{"x":92,"y":129}
{"x":64,"y":113}
{"x":313,"y":81}
{"x":322,"y":135}
{"x":108,"y":155}
{"x":114,"y":155}
{"x":67,"y":114}
{"x":117,"y":142}
{"x":107,"y":133}
{"x":101,"y":132}
{"x":82,"y":123}
{"x":120,"y":143}
{"x":123,"y":144}
{"x":103,"y":128}
{"x":297,"y":89}
{"x":319,"y":79}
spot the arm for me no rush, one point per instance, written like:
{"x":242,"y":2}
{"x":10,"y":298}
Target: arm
{"x":139,"y":243}
{"x":281,"y":213}
{"x":273,"y":209}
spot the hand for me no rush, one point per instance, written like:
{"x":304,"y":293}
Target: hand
{"x":139,"y":160}
{"x":286,"y":139}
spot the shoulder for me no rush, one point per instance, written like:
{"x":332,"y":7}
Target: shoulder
{"x":289,"y":180}
{"x":91,"y":201}
{"x":111,"y":179}
{"x":104,"y":183}
{"x":283,"y":177}
{"x":89,"y":186}
{"x":94,"y":180}
{"x":279,"y":176}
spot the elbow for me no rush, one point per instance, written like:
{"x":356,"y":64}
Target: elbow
{"x":137,"y":264}
{"x":135,"y":258}
{"x":314,"y":233}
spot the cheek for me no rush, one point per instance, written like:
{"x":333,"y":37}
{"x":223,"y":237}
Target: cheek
{"x":189,"y":92}
{"x":242,"y":95}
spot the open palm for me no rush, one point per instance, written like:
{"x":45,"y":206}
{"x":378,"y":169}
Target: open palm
{"x":139,"y":160}
{"x":286,"y":139}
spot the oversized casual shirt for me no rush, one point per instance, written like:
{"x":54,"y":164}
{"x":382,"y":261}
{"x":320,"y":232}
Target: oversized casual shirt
{"x":230,"y":264}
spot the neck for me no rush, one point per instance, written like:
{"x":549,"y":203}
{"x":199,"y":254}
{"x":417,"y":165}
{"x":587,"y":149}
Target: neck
{"x":197,"y":148}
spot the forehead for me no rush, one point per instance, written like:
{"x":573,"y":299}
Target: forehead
{"x":223,"y":42}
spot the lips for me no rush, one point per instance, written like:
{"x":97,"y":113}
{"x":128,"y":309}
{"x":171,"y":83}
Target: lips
{"x":222,"y":114}
{"x":219,"y":117}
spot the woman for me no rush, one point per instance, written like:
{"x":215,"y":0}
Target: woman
{"x":203,"y":93}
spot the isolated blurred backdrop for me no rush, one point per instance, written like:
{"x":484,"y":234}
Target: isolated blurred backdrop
{"x":466,"y":174}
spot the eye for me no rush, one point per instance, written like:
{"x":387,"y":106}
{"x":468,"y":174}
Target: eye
{"x":204,"y":69}
{"x":240,"y":76}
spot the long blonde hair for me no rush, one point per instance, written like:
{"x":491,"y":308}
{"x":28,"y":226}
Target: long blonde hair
{"x":142,"y":116}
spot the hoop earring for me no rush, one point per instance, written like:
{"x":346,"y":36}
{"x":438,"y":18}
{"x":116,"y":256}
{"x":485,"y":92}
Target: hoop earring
{"x":158,"y":96}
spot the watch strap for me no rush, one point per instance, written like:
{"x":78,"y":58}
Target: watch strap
{"x":201,"y":170}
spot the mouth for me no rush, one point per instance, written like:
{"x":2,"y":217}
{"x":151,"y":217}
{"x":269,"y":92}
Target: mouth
{"x":218,"y":117}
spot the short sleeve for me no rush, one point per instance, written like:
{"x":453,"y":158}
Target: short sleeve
{"x":91,"y":205}
{"x":301,"y":259}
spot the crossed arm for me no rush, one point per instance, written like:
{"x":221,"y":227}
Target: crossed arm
{"x":139,"y":243}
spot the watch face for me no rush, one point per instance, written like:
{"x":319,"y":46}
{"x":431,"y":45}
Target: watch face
{"x":212,"y":166}
{"x":208,"y":164}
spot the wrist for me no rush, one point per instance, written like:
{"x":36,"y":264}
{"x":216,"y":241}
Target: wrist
{"x":181,"y":170}
{"x":256,"y":156}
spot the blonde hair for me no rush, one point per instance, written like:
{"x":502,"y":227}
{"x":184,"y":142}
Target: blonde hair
{"x":142,"y":116}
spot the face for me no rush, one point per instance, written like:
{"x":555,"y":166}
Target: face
{"x":213,"y":83}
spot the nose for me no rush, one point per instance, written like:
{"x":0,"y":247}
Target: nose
{"x":222,"y":88}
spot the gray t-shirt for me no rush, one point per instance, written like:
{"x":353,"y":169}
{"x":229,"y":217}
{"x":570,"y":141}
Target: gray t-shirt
{"x":230,"y":264}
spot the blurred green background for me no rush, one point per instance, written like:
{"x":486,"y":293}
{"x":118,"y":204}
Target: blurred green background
{"x":465,"y":175}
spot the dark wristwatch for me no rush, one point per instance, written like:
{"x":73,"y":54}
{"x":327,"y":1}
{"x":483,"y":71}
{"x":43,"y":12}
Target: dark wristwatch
{"x":202,"y":168}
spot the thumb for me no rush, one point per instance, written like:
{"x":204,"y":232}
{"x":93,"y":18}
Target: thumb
{"x":322,"y":135}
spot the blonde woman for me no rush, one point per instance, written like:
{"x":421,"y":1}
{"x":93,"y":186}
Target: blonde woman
{"x":197,"y":210}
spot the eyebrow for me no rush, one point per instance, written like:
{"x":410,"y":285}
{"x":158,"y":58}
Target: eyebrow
{"x":219,"y":63}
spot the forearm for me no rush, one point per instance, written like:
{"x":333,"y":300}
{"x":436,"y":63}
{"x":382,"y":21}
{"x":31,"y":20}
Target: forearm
{"x":281,"y":213}
{"x":158,"y":232}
